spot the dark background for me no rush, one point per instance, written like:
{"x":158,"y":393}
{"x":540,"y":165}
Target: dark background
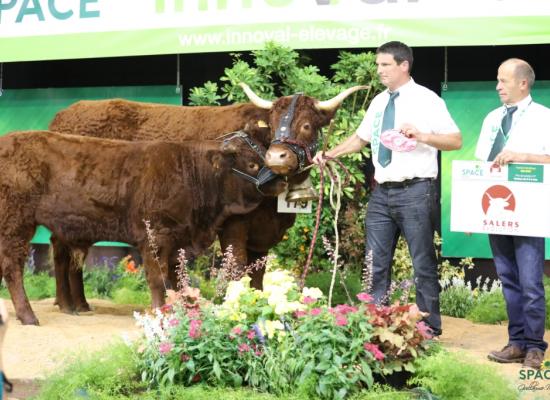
{"x":464,"y":64}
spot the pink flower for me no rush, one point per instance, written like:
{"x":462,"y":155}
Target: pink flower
{"x":251,"y":334}
{"x":344,"y":309}
{"x":308,"y":300}
{"x":174,"y":322}
{"x":194,"y":328}
{"x":374,"y":350}
{"x":300,"y":314}
{"x":165,"y":347}
{"x":365,"y":297}
{"x":237,"y":330}
{"x":424,"y":330}
{"x":315,"y":311}
{"x":185,"y":357}
{"x":341,"y":320}
{"x":166,"y":308}
{"x":243,"y":347}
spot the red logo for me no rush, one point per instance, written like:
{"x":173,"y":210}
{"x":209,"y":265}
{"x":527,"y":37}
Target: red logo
{"x":498,"y":200}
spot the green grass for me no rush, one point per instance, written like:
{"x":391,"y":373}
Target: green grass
{"x":452,"y":376}
{"x":38,"y":286}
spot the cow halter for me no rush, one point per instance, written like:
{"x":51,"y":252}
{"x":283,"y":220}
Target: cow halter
{"x":282,"y":136}
{"x":265,"y":175}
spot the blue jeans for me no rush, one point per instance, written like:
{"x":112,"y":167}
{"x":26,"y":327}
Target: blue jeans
{"x":409,"y":210}
{"x":519,"y":261}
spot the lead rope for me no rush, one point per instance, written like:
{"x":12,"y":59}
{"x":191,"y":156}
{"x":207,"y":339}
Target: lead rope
{"x":333,"y":178}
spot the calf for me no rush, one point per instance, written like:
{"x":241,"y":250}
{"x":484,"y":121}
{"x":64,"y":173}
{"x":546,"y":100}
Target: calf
{"x":89,"y":189}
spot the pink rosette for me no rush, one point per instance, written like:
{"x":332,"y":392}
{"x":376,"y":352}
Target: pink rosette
{"x":396,"y":141}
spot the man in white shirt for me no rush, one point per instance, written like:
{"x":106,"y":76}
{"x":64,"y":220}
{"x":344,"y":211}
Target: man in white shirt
{"x":517,"y":132}
{"x":405,"y":198}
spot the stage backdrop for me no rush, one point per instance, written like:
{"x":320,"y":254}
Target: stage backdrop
{"x":469,"y":103}
{"x":28,"y":109}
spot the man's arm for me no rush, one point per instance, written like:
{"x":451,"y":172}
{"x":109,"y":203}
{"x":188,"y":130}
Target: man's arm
{"x":352,"y":144}
{"x":450,"y":141}
{"x":507,"y":156}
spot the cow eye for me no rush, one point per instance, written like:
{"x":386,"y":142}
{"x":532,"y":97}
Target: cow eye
{"x":306,"y":126}
{"x":253,"y":166}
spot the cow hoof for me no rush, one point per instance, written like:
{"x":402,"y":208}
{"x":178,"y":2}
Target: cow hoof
{"x":67,"y":310}
{"x":29,"y":320}
{"x":83,"y":308}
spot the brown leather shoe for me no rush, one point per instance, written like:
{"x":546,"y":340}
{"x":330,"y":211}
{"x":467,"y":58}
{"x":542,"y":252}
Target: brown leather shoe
{"x":533,"y":359}
{"x":509,"y":354}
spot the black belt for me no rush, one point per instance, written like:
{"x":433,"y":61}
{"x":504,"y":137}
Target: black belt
{"x":405,"y":183}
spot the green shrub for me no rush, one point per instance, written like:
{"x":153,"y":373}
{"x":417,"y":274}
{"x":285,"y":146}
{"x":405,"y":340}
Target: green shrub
{"x":340,"y":294}
{"x":124,"y":295}
{"x":38,"y":286}
{"x":456,"y":299}
{"x":489,"y":308}
{"x":454,"y":377}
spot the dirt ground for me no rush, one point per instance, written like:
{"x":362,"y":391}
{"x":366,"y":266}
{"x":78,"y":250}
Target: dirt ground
{"x":31,"y":352}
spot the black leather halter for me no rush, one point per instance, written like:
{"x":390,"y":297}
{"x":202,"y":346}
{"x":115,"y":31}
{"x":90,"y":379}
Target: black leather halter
{"x":265,"y":174}
{"x":282,"y":136}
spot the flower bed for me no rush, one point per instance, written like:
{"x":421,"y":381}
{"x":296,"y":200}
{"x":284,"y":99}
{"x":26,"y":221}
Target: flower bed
{"x":278,"y":340}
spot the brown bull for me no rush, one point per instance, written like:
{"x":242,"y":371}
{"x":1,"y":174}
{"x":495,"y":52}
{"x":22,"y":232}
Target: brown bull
{"x":88,"y":189}
{"x":252,"y":235}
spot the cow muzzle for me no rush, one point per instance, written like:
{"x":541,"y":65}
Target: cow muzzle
{"x":281,"y":159}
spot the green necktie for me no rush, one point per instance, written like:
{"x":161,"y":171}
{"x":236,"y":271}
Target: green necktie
{"x":502,"y":134}
{"x":388,"y":122}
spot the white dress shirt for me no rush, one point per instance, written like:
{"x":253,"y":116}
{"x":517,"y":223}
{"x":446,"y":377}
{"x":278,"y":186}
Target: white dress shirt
{"x":529,"y":132}
{"x":415,"y":105}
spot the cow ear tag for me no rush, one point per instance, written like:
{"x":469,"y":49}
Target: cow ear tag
{"x":262,"y":124}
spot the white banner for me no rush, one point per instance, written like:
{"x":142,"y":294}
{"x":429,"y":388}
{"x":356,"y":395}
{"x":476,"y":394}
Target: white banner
{"x":509,"y":200}
{"x":51,"y":29}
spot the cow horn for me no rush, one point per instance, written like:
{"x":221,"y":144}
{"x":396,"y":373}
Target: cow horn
{"x":332,"y":104}
{"x":255,"y":99}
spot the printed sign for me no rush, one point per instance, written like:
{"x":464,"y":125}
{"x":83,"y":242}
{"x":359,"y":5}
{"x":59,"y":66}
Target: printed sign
{"x":61,"y":29}
{"x":298,"y":207}
{"x":508,"y":200}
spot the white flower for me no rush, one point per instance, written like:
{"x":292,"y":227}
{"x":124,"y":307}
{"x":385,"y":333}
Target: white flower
{"x":314,"y":293}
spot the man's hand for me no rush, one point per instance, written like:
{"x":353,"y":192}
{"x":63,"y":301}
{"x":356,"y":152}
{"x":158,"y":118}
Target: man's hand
{"x":507,"y":156}
{"x":319,"y":158}
{"x":412,"y":132}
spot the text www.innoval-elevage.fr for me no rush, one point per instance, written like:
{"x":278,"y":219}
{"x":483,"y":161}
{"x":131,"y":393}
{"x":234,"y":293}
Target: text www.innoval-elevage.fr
{"x":352,"y":36}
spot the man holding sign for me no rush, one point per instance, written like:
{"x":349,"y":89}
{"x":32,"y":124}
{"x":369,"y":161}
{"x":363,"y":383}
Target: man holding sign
{"x":517,"y":132}
{"x":406,"y":125}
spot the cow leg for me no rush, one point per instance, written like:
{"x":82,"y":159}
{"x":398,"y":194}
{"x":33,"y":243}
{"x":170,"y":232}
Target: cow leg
{"x":76,"y":280}
{"x":257,"y":275}
{"x":13,"y":254}
{"x":62,"y":262}
{"x":156,"y":273}
{"x":234,"y":233}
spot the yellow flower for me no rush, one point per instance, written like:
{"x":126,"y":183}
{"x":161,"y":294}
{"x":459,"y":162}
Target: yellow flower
{"x":314,"y":293}
{"x":302,"y":248}
{"x":271,"y":327}
{"x":306,"y":229}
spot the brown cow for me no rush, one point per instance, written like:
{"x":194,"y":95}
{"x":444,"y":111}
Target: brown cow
{"x":88,"y":189}
{"x":117,"y":118}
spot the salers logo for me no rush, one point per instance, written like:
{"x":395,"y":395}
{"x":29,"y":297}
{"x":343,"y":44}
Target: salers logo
{"x":498,"y":204}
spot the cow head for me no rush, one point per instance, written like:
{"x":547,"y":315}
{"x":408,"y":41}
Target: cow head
{"x":295,"y":122}
{"x":247,"y":158}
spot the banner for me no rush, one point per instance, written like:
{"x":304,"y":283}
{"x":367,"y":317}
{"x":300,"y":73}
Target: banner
{"x":507,"y":200}
{"x":30,"y":109}
{"x":63,"y":29}
{"x":469,"y":103}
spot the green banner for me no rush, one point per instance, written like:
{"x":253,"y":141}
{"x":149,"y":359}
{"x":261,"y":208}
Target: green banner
{"x":32,"y":109}
{"x":469,"y":103}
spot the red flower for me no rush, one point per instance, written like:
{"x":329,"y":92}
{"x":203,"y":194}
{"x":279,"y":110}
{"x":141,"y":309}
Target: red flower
{"x":315,"y":311}
{"x":300,"y":313}
{"x":251,"y":334}
{"x":165,"y":347}
{"x":243,"y":347}
{"x":341,"y":320}
{"x":424,"y":330}
{"x":194,"y":328}
{"x":308,"y":300}
{"x":365,"y":297}
{"x":185,"y":357}
{"x":131,"y":267}
{"x":374,"y":350}
{"x":237,"y":330}
{"x":165,"y":309}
